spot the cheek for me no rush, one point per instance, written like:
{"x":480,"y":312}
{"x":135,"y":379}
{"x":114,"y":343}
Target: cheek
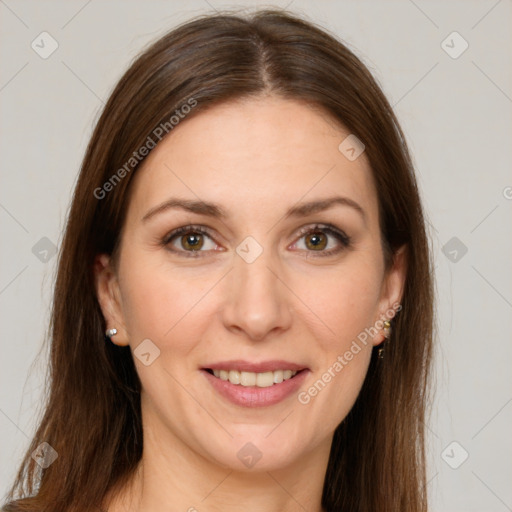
{"x":344,"y":302}
{"x":157,"y":302}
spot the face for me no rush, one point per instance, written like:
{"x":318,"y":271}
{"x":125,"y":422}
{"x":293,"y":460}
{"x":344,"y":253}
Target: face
{"x":272,"y":265}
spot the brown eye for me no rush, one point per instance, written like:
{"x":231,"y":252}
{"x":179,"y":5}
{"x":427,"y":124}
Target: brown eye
{"x":316,"y":240}
{"x":192,"y":242}
{"x":189,"y":241}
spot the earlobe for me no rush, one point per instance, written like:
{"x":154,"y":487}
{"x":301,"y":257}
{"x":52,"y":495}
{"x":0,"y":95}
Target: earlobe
{"x":391,"y":294}
{"x":108,"y":294}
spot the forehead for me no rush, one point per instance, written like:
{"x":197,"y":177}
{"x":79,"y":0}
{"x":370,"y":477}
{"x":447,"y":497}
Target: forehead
{"x":254,"y":155}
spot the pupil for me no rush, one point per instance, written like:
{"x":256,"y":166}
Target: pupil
{"x":192,"y":241}
{"x":315,"y":240}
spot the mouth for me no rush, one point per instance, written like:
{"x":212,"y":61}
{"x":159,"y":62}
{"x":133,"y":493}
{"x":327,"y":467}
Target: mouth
{"x":255,"y":385}
{"x":254,"y":379}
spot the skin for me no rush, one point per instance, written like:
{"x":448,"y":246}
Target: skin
{"x":256,"y":158}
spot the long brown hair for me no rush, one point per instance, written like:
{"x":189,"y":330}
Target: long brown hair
{"x":92,"y":417}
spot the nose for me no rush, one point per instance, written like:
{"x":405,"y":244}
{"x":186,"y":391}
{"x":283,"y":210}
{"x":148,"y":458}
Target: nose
{"x":257,"y":299}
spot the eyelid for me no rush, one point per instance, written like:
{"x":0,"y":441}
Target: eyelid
{"x":343,"y":239}
{"x":331,"y":229}
{"x":323,"y":226}
{"x":192,"y":228}
{"x":189,"y":228}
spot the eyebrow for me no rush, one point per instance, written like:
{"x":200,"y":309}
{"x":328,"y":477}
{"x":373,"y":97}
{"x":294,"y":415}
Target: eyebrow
{"x":216,"y":211}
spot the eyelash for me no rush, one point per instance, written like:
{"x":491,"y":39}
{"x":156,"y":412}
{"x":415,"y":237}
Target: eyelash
{"x":344,"y":240}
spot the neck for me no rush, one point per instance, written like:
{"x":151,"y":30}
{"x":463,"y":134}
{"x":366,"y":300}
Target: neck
{"x":171,"y":476}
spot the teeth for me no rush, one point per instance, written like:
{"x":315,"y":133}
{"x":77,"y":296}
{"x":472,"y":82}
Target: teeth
{"x":234,"y":377}
{"x":261,"y":380}
{"x":278,"y":376}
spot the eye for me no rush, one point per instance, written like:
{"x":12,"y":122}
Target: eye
{"x":316,"y":240}
{"x":189,"y":239}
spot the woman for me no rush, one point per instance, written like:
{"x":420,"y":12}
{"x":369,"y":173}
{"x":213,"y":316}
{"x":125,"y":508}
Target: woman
{"x":243,"y":308}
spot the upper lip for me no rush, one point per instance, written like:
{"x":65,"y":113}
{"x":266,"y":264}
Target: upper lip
{"x":247,"y":366}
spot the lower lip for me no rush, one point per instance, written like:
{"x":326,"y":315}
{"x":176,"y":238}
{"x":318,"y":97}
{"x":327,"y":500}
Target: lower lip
{"x":253,"y":396}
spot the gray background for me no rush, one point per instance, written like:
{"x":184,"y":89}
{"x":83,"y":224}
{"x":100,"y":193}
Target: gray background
{"x":456,"y":113}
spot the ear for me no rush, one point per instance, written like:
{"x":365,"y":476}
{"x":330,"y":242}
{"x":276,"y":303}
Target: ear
{"x":391,"y":292}
{"x":109,"y":298}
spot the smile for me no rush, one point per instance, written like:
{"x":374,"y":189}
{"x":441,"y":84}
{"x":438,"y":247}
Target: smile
{"x":261,"y":380}
{"x":255,"y":389}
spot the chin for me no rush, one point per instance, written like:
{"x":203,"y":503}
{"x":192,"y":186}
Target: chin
{"x":255,"y":452}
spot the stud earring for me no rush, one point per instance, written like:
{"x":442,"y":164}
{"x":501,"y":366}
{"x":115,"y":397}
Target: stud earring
{"x":110,"y":332}
{"x":387,"y":329}
{"x":387,"y":335}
